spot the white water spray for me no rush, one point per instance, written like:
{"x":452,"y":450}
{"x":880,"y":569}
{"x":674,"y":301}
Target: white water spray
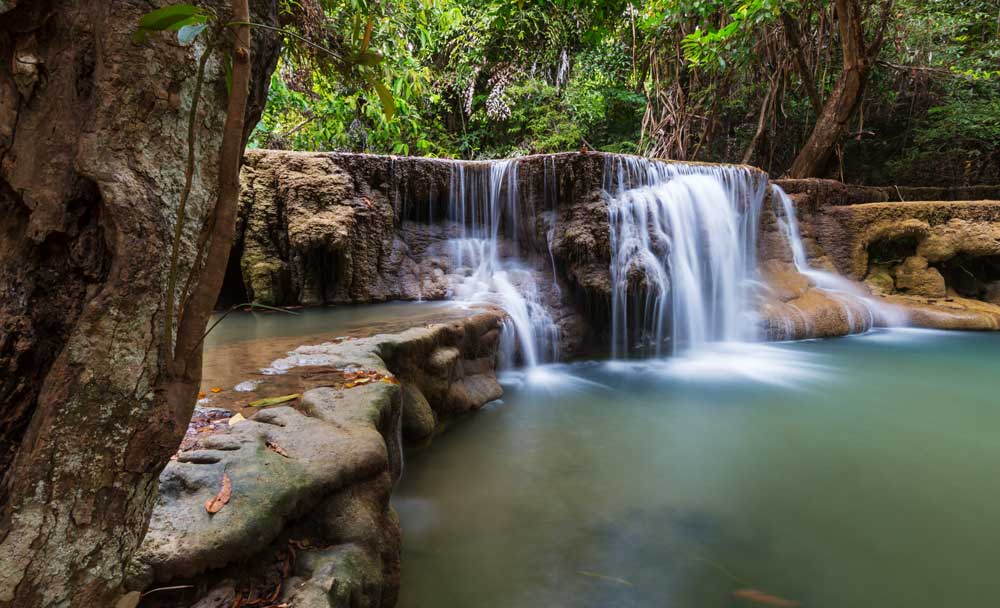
{"x":683,"y":242}
{"x":484,"y":203}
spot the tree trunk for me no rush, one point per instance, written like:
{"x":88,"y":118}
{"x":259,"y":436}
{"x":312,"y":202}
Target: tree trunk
{"x":847,"y":93}
{"x":92,"y":145}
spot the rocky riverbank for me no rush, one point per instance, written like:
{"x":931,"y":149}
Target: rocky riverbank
{"x":309,"y":480}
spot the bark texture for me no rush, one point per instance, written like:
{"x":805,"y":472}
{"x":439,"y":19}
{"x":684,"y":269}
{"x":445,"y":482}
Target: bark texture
{"x":92,"y":143}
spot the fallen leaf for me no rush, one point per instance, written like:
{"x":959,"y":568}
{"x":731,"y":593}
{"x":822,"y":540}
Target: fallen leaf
{"x":362,"y":381}
{"x":129,"y":600}
{"x":215,"y":504}
{"x":390,"y":380}
{"x":273,"y":400}
{"x":236,"y":418}
{"x":277,"y":449}
{"x":759,"y":597}
{"x":216,"y":389}
{"x":201,"y":395}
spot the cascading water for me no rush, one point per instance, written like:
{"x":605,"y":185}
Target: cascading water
{"x":484,"y":204}
{"x":853,"y":296}
{"x":683,"y":242}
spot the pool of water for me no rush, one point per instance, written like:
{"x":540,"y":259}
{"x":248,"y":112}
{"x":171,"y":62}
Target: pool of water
{"x":245,"y":343}
{"x":242,"y":326}
{"x":859,"y":471}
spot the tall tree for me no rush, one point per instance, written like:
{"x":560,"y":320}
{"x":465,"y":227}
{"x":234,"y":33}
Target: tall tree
{"x":842,"y":104}
{"x":93,"y":397}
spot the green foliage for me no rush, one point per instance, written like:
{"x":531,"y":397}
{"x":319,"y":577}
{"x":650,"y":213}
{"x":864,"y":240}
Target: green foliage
{"x":494,"y":78}
{"x":468,"y":78}
{"x":188,"y":20}
{"x":714,"y":49}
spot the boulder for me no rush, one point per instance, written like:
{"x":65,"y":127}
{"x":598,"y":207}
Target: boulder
{"x":915,"y":277}
{"x":880,"y":280}
{"x":268,"y":488}
{"x":418,"y":416}
{"x":323,"y":470}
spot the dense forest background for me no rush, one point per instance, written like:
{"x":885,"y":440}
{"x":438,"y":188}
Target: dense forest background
{"x":707,"y":80}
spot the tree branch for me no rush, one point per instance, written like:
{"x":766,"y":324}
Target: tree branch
{"x":792,"y":35}
{"x":182,"y":206}
{"x":202,"y":301}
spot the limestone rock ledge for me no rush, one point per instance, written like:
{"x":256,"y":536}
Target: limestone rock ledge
{"x":323,"y":470}
{"x":935,"y":261}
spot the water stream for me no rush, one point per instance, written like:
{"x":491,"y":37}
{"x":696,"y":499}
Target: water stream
{"x":852,"y":295}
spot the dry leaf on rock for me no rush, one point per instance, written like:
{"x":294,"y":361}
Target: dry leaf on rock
{"x":277,"y":449}
{"x":273,"y":400}
{"x":215,"y":504}
{"x":129,"y":600}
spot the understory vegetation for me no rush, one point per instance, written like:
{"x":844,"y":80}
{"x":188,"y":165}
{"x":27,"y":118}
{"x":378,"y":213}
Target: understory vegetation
{"x":712,"y":80}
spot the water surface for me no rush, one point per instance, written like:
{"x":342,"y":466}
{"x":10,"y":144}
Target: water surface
{"x":241,"y":326}
{"x":245,"y":343}
{"x":852,"y":472}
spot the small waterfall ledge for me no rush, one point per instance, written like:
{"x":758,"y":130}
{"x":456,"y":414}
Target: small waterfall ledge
{"x":587,"y":253}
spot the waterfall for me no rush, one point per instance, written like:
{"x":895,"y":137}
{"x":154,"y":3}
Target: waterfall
{"x":683,"y":246}
{"x":852,"y":295}
{"x":483,"y":203}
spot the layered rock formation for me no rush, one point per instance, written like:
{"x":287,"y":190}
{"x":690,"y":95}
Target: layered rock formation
{"x":339,"y":228}
{"x":352,"y":228}
{"x":318,"y":476}
{"x":940,"y":260}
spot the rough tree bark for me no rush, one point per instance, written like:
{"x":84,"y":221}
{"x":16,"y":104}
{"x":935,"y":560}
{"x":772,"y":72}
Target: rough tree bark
{"x":848,"y":90}
{"x":92,"y":404}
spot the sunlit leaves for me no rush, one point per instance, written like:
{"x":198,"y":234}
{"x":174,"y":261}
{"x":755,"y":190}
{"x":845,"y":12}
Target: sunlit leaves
{"x":385,"y":96}
{"x":188,"y":20}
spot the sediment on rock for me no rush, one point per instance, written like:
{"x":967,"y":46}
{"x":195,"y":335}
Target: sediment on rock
{"x":318,"y":476}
